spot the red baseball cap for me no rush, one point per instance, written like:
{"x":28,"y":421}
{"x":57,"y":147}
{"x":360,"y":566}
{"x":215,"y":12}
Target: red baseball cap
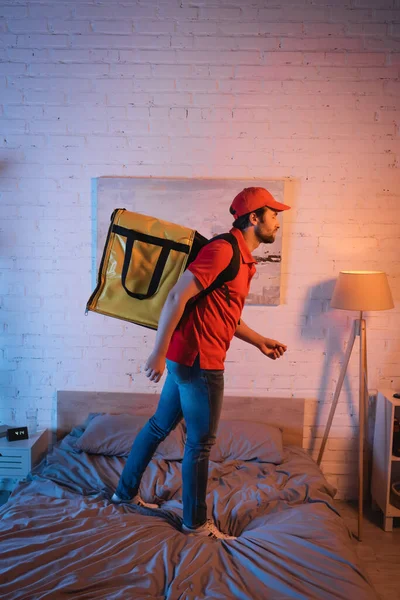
{"x":252,"y":198}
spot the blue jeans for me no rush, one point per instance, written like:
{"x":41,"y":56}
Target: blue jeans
{"x":195,"y":394}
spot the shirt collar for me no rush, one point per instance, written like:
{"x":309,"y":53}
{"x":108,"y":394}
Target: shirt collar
{"x":244,"y":249}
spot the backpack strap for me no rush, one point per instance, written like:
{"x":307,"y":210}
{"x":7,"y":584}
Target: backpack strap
{"x":229,"y":273}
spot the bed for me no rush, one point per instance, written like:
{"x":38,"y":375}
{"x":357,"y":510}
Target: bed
{"x":60,"y":536}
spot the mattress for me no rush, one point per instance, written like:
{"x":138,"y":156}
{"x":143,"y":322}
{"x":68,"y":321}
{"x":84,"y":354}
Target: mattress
{"x":60,"y":536}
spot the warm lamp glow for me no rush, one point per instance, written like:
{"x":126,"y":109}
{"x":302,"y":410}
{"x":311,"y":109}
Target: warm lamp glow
{"x":358,"y":290}
{"x":362,"y":290}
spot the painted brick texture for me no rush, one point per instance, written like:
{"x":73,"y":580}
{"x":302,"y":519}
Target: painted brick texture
{"x":304,"y":91}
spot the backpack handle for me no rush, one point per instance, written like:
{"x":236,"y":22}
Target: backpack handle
{"x":166,"y":245}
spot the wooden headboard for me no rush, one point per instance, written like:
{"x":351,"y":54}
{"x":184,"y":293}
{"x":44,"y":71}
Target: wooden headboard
{"x":287,"y":413}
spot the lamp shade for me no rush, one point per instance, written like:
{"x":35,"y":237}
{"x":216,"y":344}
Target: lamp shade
{"x":362,"y":290}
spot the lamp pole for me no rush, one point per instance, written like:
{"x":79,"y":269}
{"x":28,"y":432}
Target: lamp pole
{"x":361,"y":425}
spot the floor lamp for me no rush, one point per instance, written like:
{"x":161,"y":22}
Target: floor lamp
{"x":360,"y":291}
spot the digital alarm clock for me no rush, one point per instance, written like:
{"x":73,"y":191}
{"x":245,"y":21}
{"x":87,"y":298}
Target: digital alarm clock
{"x":17,"y":433}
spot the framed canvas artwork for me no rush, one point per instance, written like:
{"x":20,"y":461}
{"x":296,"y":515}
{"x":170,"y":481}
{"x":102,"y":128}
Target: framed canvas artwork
{"x":201,"y":204}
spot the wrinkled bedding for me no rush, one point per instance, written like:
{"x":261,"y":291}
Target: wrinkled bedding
{"x":61,"y":537}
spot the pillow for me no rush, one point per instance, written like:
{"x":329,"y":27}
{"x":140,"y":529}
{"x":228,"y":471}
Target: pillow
{"x":113,"y":435}
{"x":248,"y":440}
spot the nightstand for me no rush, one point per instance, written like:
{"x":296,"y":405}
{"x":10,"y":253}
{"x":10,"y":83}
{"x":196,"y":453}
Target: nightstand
{"x":385,"y":466}
{"x":17,"y":459}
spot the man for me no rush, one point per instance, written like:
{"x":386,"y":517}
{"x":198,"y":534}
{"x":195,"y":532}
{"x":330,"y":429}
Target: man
{"x":193,"y":344}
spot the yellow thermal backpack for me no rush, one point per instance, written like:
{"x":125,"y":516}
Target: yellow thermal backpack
{"x":142,"y":260}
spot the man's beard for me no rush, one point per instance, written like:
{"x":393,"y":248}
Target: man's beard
{"x":266,"y":239}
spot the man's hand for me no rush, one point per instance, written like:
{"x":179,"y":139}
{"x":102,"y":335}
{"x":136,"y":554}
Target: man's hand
{"x":154,"y":367}
{"x":185,"y":288}
{"x":272,"y":348}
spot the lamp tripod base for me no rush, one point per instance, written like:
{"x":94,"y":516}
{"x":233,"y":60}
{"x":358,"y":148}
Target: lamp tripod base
{"x":358,"y":329}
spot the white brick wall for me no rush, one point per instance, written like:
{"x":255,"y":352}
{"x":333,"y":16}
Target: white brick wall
{"x":302,"y":91}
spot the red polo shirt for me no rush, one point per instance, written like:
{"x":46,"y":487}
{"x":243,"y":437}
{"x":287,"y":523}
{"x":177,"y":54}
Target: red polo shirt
{"x":207,"y":329}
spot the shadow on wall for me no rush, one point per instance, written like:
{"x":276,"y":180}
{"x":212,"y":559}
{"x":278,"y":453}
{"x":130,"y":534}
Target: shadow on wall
{"x":334,"y":328}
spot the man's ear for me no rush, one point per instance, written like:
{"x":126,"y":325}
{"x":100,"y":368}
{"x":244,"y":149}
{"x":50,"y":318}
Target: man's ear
{"x":253,"y":219}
